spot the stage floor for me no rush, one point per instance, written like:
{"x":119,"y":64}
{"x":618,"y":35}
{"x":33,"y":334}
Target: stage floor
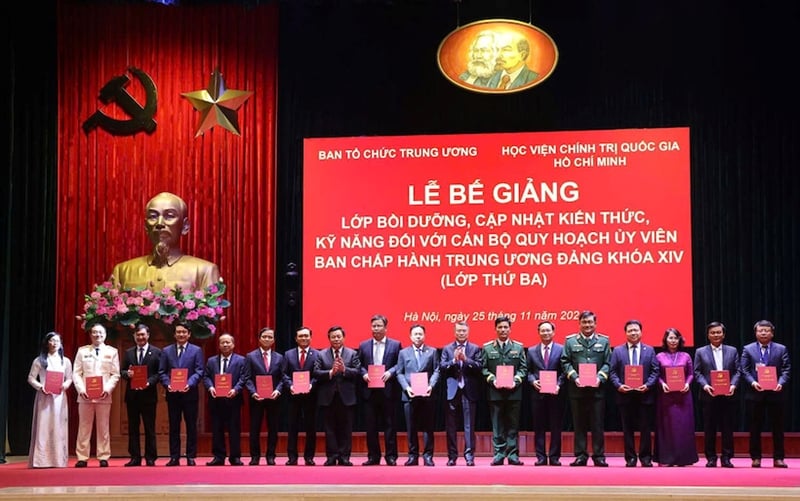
{"x":297,"y":483}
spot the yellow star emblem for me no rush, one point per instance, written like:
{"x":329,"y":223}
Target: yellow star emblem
{"x":217,"y":105}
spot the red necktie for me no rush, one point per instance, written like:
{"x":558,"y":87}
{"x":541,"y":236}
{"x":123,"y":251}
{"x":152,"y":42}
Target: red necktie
{"x":302,"y":358}
{"x":504,"y":81}
{"x":546,"y":354}
{"x":266,"y":361}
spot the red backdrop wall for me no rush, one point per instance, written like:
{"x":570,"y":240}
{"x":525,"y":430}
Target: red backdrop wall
{"x":227,"y":180}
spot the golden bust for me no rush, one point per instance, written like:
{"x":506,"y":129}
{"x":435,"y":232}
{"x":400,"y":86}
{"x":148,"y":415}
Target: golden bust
{"x":166,"y":220}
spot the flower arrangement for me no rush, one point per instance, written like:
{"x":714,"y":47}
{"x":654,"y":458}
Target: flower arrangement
{"x":201,"y":309}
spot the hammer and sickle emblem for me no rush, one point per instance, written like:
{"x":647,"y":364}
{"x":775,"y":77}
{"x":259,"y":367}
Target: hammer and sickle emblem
{"x":141,"y":117}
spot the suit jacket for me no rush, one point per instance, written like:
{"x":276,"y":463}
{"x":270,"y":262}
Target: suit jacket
{"x":255,"y":367}
{"x":525,"y":77}
{"x":291,"y":361}
{"x":647,"y":360}
{"x":470,"y":369}
{"x":152,"y":359}
{"x":89,"y":363}
{"x":513,"y":354}
{"x":390,"y":353}
{"x":704,"y":364}
{"x":536,"y":364}
{"x":191,"y":359}
{"x":344,"y":384}
{"x":237,"y":368}
{"x":778,"y":357}
{"x":407,"y":365}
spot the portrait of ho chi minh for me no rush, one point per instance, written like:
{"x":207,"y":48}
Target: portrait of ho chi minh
{"x":166,"y":221}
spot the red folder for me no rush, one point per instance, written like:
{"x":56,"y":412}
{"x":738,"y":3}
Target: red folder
{"x":588,"y":374}
{"x":548,"y":380}
{"x":721,"y":382}
{"x":178,"y":378}
{"x":675,"y":378}
{"x":767,"y":377}
{"x":264,"y":386}
{"x":634,"y":375}
{"x":53,"y":381}
{"x":505,"y":376}
{"x":375,"y":373}
{"x":139,"y":378}
{"x":223,"y":384}
{"x":419,"y":383}
{"x":301,"y":381}
{"x":94,"y":386}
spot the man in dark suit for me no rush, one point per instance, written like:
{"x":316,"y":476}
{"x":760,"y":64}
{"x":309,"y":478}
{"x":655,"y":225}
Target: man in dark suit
{"x":380,"y":403}
{"x":418,"y":404}
{"x":547,"y":409}
{"x":636,"y":402}
{"x":264,"y":361}
{"x":231,"y":370}
{"x":719,"y":410}
{"x":184,"y":401}
{"x":302,"y":406}
{"x":141,"y":402}
{"x":504,"y":403}
{"x":759,"y":401}
{"x":587,"y":398}
{"x":336,"y":372}
{"x":461,"y":365}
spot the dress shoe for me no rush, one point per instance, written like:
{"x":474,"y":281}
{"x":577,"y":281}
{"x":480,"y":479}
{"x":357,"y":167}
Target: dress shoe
{"x":310,"y":462}
{"x":391,"y":462}
{"x":370,"y":462}
{"x":429,"y":462}
{"x":150,"y":462}
{"x":216,"y":462}
{"x":81,"y":464}
{"x":412,"y":462}
{"x":291,"y":462}
{"x":726,"y":464}
{"x":579,"y":462}
{"x":103,"y":463}
{"x":647,"y":464}
{"x":470,"y":462}
{"x":600,"y":462}
{"x":253,"y":462}
{"x":756,"y":463}
{"x":133,"y":462}
{"x":345,"y":462}
{"x":271,"y":461}
{"x":555,"y":462}
{"x":190,"y":462}
{"x":497,"y":461}
{"x":236,"y":462}
{"x":172,"y":462}
{"x":515,"y":462}
{"x":330,"y":462}
{"x":779,"y":463}
{"x":711,"y":463}
{"x":630,"y":463}
{"x":451,"y":462}
{"x":540,"y":462}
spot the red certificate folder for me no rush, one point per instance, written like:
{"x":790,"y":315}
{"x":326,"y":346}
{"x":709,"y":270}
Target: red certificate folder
{"x":676,"y":380}
{"x":178,"y":378}
{"x":767,"y":377}
{"x":419,"y":383}
{"x":301,"y":381}
{"x":94,"y":386}
{"x":139,"y":378}
{"x":53,"y":381}
{"x":223,"y":384}
{"x":721,"y":382}
{"x":588,"y":374}
{"x":634,"y":375}
{"x":264,"y":386}
{"x":375,"y":373}
{"x":505,"y":376}
{"x":548,"y":380}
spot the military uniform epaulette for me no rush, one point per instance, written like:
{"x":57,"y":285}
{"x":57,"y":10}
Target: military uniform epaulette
{"x":601,"y":335}
{"x":86,"y":346}
{"x":572,"y":335}
{"x":488,"y":342}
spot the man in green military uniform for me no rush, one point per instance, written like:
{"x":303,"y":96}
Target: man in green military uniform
{"x":504,"y":401}
{"x":587,"y":397}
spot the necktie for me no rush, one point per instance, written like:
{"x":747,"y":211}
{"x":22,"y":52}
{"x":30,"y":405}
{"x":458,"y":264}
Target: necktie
{"x":764,"y":355}
{"x":460,"y":368}
{"x":504,"y":81}
{"x":635,"y":355}
{"x":141,"y":355}
{"x":224,"y":365}
{"x":97,"y":351}
{"x":302,"y":358}
{"x":266,"y":360}
{"x":180,"y":352}
{"x":546,"y":354}
{"x":417,"y":353}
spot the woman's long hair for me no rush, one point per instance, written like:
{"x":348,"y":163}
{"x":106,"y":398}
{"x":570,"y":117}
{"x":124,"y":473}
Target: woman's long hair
{"x":45,"y":349}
